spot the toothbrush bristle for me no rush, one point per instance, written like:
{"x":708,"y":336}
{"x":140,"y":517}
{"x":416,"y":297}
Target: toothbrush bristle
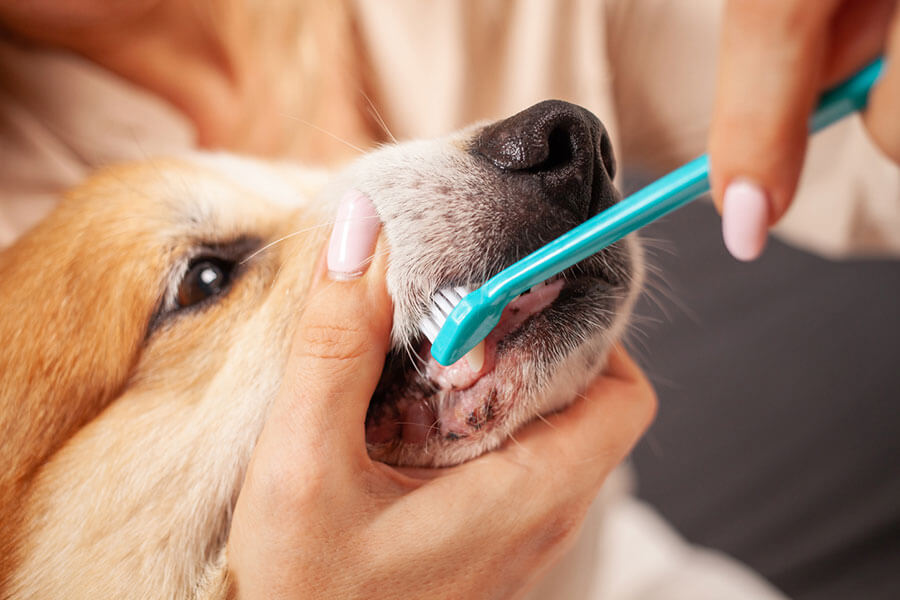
{"x":429,"y":328}
{"x":443,"y":303}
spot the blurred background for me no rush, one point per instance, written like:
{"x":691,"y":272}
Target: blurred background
{"x":778,"y":436}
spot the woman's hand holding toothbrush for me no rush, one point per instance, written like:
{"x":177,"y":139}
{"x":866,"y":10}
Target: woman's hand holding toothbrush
{"x":775,"y":58}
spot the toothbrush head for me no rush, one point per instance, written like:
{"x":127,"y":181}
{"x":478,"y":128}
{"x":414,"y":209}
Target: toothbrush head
{"x":459,"y":320}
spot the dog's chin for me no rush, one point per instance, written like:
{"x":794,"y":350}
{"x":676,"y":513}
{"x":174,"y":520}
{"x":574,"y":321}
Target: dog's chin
{"x":549,"y":344}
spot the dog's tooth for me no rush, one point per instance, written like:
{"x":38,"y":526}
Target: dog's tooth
{"x":475,"y":357}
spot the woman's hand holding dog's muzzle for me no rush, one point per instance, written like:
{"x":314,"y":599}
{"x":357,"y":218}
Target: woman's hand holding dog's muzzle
{"x":317,"y":518}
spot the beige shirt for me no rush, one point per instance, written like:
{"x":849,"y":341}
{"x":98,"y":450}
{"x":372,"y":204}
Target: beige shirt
{"x":60,"y":118}
{"x":645,"y":67}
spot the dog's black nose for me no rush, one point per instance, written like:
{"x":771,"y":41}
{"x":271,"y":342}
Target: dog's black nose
{"x":561,"y":148}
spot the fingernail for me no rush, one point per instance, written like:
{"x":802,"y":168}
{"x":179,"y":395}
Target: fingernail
{"x":353,"y":238}
{"x":745,"y":219}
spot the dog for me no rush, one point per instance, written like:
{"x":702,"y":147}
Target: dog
{"x":148,"y":319}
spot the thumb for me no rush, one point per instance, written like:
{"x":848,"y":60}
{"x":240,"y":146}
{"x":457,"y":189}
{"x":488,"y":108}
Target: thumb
{"x":340,"y":343}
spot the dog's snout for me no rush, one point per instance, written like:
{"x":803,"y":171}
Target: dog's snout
{"x":560,"y":146}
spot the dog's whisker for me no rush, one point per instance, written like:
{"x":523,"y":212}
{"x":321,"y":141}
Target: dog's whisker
{"x":521,"y":446}
{"x":326,"y":132}
{"x":287,"y":237}
{"x":377,"y":116}
{"x":414,"y":360}
{"x":547,"y":421}
{"x":434,"y":426}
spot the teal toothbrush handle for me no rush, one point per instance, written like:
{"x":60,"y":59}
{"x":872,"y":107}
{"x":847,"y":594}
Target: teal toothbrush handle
{"x":479,"y":312}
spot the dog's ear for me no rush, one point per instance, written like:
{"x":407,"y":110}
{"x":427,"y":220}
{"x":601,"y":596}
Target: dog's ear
{"x":75,"y":310}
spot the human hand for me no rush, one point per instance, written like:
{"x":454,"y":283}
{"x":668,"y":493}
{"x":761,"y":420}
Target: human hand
{"x":317,"y":518}
{"x":776,"y":56}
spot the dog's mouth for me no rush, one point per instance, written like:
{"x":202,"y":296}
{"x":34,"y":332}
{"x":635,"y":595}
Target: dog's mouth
{"x":421,"y":407}
{"x":525,"y":181}
{"x":480,"y":360}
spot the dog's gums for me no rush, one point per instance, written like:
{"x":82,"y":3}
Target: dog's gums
{"x":456,"y":412}
{"x":464,"y":373}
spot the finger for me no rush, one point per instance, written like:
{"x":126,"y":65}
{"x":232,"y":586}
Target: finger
{"x":882,"y":118}
{"x":339,"y":348}
{"x":554,"y":470}
{"x":859,"y":33}
{"x":551,"y":476}
{"x":620,"y":365}
{"x":771,"y":64}
{"x":570,"y":453}
{"x":600,"y":428}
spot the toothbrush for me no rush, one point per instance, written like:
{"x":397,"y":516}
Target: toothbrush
{"x":460,"y":319}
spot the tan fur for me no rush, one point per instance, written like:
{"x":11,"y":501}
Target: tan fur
{"x":69,"y":347}
{"x":75,"y":340}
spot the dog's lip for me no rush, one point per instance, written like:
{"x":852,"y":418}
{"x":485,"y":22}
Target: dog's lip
{"x":462,"y":407}
{"x":461,"y":375}
{"x":459,"y":391}
{"x":464,"y":410}
{"x":529,"y":304}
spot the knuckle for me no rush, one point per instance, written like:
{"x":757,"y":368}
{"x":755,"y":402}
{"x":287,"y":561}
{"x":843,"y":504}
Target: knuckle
{"x":560,"y":531}
{"x":333,"y":342}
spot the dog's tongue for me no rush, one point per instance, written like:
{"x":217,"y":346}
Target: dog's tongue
{"x":480,"y":360}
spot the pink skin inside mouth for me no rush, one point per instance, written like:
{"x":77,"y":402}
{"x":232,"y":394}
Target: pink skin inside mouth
{"x":459,"y":375}
{"x":417,"y":419}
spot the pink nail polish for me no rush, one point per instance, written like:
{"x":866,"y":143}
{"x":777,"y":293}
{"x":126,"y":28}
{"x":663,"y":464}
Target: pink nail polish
{"x":745,"y":219}
{"x":353,"y":238}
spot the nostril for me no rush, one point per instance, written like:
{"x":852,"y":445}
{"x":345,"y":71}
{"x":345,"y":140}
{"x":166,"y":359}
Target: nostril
{"x":549,"y":136}
{"x":560,"y":150}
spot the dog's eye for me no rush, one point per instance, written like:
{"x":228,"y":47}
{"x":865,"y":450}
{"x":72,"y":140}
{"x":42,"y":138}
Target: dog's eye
{"x":206,"y":277}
